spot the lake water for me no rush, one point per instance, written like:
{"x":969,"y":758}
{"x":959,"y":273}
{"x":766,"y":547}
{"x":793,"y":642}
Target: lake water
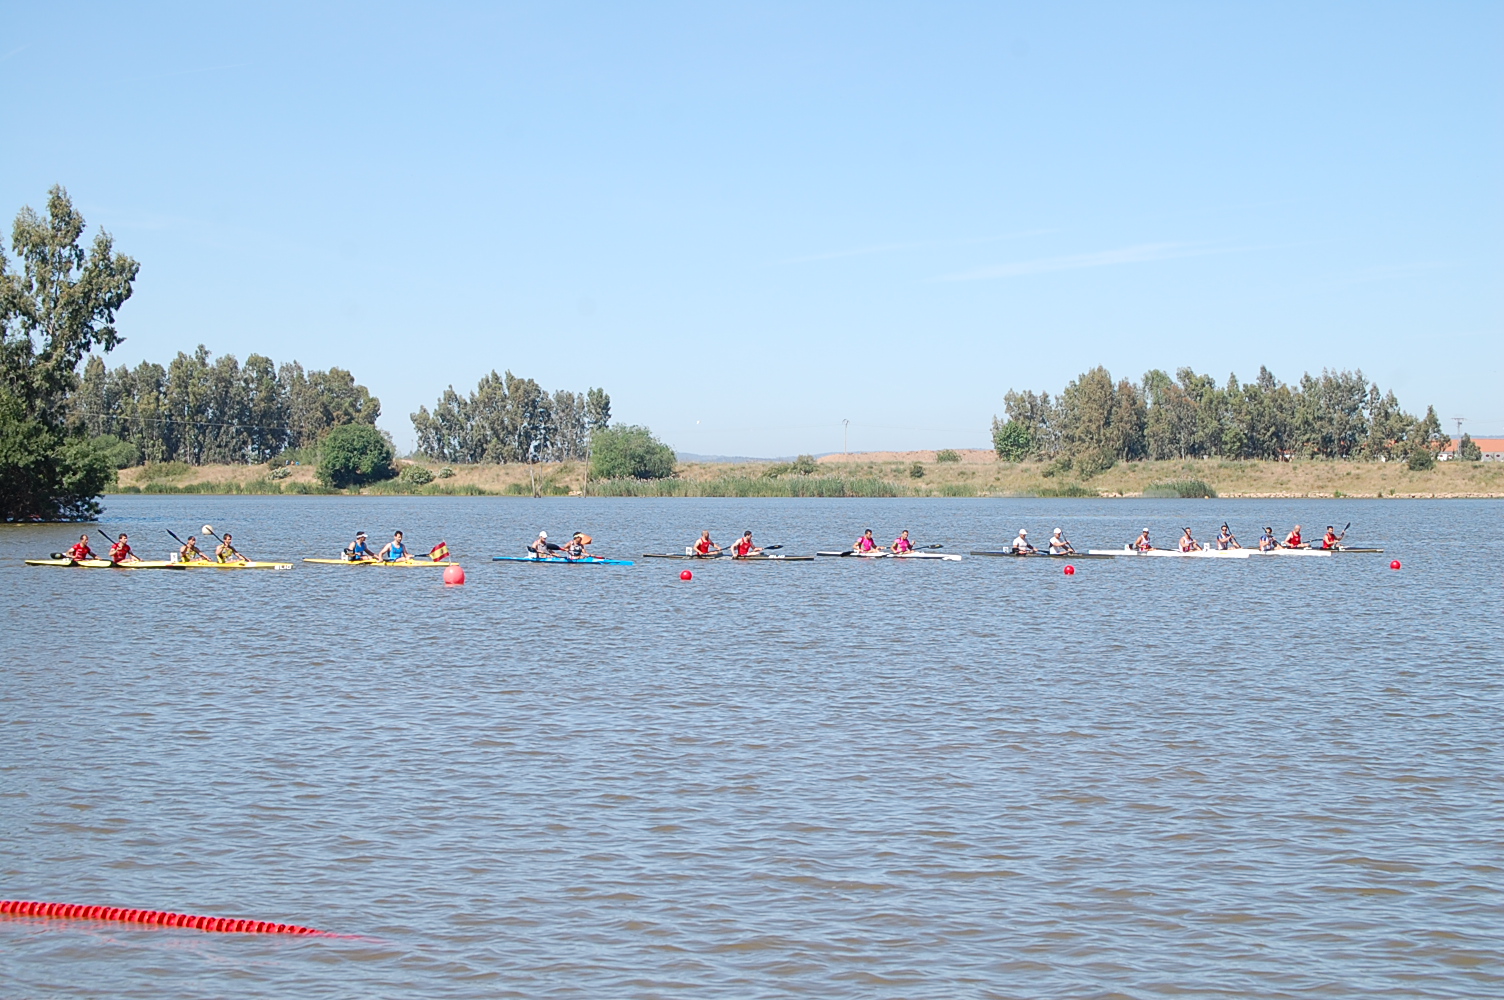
{"x":1263,"y":778}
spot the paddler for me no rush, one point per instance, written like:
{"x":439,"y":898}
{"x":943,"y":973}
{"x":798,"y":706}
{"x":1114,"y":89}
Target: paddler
{"x":575,"y":547}
{"x":1142,"y":543}
{"x":1225,"y":539}
{"x":189,"y":551}
{"x":1189,"y":544}
{"x":79,"y":550}
{"x":225,"y":551}
{"x":866,"y":543}
{"x":1021,"y":546}
{"x":902,"y":543}
{"x":744,"y":546}
{"x":1332,"y":540}
{"x":1267,"y":541}
{"x":1292,"y":540}
{"x":358,"y":550}
{"x":120,"y":551}
{"x":704,"y":547}
{"x":541,"y":546}
{"x":393,"y":551}
{"x":1060,"y":545}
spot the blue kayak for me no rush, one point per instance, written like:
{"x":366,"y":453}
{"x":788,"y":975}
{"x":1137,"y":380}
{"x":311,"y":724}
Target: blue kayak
{"x":596,"y":560}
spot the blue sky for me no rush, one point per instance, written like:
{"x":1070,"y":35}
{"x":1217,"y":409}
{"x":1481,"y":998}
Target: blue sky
{"x":749,"y":223}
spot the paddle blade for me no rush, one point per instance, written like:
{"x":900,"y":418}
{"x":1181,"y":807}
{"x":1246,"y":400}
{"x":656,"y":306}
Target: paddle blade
{"x":208,"y":529}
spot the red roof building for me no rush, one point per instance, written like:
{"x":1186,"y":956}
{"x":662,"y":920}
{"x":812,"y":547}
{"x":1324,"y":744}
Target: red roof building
{"x":1492,"y":448}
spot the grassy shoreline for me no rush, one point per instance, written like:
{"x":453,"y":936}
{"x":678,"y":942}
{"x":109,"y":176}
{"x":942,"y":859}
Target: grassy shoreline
{"x":976,"y":475}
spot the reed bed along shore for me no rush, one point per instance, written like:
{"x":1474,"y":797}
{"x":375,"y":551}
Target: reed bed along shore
{"x":976,"y":474}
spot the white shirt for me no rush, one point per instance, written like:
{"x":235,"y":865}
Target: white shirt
{"x":1020,"y":544}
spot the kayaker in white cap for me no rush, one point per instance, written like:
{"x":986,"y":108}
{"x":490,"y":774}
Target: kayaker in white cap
{"x":540,"y":547}
{"x":1021,"y":546}
{"x":1059,"y":544}
{"x":1142,"y":543}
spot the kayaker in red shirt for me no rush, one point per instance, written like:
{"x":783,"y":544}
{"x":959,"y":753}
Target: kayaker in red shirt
{"x":705,"y":547}
{"x":744,"y":547}
{"x":1331,"y":539}
{"x":80,"y":550}
{"x":1292,"y":540}
{"x":121,"y":551}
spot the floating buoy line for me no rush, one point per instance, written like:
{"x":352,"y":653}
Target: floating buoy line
{"x":154,"y":918}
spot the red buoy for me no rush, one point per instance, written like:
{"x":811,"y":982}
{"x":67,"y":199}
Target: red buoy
{"x":686,"y":575}
{"x":1395,"y":564}
{"x":1070,"y":571}
{"x":454,"y":575}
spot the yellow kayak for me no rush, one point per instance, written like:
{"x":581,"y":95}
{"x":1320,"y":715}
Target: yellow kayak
{"x":231,"y":565}
{"x":104,"y":564}
{"x":380,"y":562}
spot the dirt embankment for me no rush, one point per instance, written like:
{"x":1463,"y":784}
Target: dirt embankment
{"x":974,"y":473}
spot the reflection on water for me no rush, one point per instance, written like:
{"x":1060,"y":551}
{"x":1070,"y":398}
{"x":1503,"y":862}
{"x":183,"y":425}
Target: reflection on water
{"x":1255,"y":778}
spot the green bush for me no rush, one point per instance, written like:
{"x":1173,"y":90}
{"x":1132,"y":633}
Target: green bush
{"x":1013,"y":441}
{"x":159,"y":471}
{"x":121,"y":454}
{"x":446,"y":473}
{"x":627,"y":452}
{"x":415,"y":474}
{"x":805,"y":465}
{"x":1468,"y":450}
{"x":1420,"y":459}
{"x":916,"y":471}
{"x":281,"y":472}
{"x":1183,"y":489}
{"x":353,"y":455}
{"x":1069,"y":490}
{"x":947,"y":455}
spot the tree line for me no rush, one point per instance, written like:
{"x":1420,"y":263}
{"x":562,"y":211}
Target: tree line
{"x":510,"y":419}
{"x":1096,"y":422}
{"x":204,"y":412}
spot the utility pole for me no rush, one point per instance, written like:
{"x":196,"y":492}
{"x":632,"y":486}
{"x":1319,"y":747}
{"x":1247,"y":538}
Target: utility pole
{"x":845,"y":428}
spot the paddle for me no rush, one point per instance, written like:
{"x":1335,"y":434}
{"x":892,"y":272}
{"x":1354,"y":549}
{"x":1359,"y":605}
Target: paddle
{"x":183,"y":543}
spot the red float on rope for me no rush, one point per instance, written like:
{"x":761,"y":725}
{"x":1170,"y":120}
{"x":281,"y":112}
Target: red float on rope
{"x":160,"y":918}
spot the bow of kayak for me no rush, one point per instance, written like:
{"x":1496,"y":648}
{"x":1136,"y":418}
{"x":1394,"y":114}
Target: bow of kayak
{"x":381,"y":562}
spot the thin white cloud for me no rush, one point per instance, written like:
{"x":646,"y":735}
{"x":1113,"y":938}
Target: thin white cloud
{"x":1142,"y":253}
{"x":923,"y":245}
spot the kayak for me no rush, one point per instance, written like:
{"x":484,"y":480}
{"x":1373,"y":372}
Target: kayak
{"x":381,"y":562}
{"x":1344,"y":548}
{"x":1042,"y":555}
{"x":1175,"y":553}
{"x":104,"y":564}
{"x":946,"y":556}
{"x":231,"y":565}
{"x":561,"y":559}
{"x":764,"y":557}
{"x":1292,"y":552}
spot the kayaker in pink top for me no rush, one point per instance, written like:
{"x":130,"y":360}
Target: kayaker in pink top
{"x":902,"y":543}
{"x":867,"y":543}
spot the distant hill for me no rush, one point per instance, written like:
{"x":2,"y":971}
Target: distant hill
{"x":685,"y":456}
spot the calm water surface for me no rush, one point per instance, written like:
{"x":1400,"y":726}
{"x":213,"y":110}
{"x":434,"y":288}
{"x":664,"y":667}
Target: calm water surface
{"x":1272,"y":778}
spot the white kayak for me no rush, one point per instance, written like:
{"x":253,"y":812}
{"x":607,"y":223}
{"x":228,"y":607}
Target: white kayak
{"x":848,"y":554}
{"x":1174,"y":553}
{"x":1293,"y":552}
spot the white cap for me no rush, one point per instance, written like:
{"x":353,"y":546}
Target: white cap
{"x":1023,"y":531}
{"x":542,"y":534}
{"x":1057,"y":531}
